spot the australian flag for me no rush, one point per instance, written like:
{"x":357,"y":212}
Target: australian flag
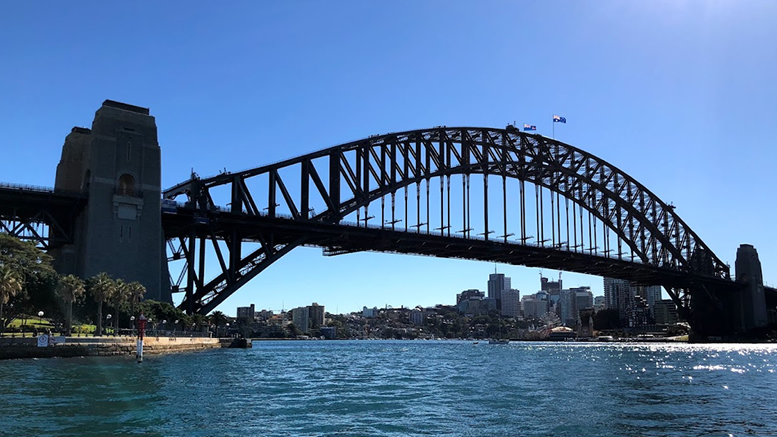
{"x":527,"y":127}
{"x":559,"y":119}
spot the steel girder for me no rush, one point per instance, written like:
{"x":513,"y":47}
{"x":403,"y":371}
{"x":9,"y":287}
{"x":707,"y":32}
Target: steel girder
{"x":39,"y":214}
{"x":350,"y":177}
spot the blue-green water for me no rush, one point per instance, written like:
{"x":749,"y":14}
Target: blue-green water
{"x":383,"y":388}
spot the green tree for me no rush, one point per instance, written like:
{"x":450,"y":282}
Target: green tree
{"x":218,"y":318}
{"x":136,"y":293}
{"x":160,"y":311}
{"x":198,"y":320}
{"x":32,"y":269}
{"x":119,"y":298}
{"x":10,"y":285}
{"x":24,"y":257}
{"x":101,"y":287}
{"x":294,"y":331}
{"x":70,"y":289}
{"x":606,"y":319}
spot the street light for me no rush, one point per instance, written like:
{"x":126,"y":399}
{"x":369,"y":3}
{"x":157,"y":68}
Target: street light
{"x":2,"y":327}
{"x":132,"y":322}
{"x":40,"y":317}
{"x":108,"y":319}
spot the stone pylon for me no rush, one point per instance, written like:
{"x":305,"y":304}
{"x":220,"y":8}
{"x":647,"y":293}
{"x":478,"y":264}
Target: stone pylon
{"x":117,"y":165}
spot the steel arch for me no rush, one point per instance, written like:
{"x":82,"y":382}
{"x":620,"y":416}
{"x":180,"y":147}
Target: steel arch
{"x":364,"y":171}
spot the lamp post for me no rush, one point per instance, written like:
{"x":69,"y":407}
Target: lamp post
{"x":40,"y":318}
{"x":132,"y":323}
{"x":108,"y":320}
{"x":164,"y":325}
{"x":2,"y":328}
{"x":175,"y":325}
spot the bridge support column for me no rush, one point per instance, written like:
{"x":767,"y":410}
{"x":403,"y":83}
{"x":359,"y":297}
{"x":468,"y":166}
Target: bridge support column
{"x":711,"y":314}
{"x":117,"y":164}
{"x":751,"y":308}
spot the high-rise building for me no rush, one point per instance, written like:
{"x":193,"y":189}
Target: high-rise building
{"x":553,"y":288}
{"x":511,"y":303}
{"x":665,"y":312}
{"x":497,"y":283}
{"x":635,"y":303}
{"x":599,"y":303}
{"x":246,"y":313}
{"x":572,"y":302}
{"x":584,"y":298}
{"x":652,"y":294}
{"x":301,"y":317}
{"x":416,"y":316}
{"x":566,"y":308}
{"x":534,"y":306}
{"x":316,"y":314}
{"x":468,"y":294}
{"x":308,"y":318}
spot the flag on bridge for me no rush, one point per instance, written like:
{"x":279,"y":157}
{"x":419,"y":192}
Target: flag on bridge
{"x":528,"y":127}
{"x":559,"y":119}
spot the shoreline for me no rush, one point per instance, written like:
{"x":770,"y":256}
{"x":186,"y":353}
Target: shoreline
{"x":25,"y":348}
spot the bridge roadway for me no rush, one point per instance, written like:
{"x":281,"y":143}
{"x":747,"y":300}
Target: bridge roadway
{"x":24,"y":208}
{"x":345,"y":238}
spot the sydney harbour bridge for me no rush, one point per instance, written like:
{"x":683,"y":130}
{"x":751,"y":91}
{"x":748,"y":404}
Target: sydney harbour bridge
{"x":497,"y":195}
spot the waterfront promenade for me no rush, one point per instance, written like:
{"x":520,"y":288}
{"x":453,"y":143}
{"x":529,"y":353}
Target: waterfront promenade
{"x":15,"y":348}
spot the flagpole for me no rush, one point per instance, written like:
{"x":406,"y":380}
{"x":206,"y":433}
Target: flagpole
{"x":553,"y":122}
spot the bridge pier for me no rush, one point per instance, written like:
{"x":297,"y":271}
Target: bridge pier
{"x":750,"y":310}
{"x":721,"y":310}
{"x":117,"y":165}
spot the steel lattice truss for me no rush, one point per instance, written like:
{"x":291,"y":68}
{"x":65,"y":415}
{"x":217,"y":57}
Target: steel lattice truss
{"x":39,"y":214}
{"x":639,"y":236}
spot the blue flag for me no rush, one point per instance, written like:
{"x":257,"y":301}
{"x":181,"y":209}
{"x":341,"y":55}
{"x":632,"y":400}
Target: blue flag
{"x":527,"y":127}
{"x":559,"y":119}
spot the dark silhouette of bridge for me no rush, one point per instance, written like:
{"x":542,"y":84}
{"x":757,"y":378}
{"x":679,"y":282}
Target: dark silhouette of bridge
{"x":486,"y":194}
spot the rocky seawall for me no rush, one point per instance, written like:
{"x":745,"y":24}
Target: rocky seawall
{"x":17,"y":348}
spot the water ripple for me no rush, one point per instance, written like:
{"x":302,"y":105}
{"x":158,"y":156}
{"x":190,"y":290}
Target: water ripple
{"x":386,"y":388}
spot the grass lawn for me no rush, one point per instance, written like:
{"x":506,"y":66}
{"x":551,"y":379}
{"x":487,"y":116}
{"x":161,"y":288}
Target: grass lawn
{"x":42,"y":324}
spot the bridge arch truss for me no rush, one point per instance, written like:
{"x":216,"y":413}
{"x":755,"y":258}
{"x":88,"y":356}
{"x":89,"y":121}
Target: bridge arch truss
{"x":553,"y":204}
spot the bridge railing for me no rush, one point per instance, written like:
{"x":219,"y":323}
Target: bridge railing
{"x":24,"y":187}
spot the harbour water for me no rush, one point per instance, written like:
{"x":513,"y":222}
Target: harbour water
{"x":401,"y":388}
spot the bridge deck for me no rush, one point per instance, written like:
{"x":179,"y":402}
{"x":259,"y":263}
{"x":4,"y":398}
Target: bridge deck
{"x":342,"y":239}
{"x":23,"y":206}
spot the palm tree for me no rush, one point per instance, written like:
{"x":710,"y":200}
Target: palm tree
{"x":101,"y":287}
{"x":136,"y":292}
{"x":119,"y":297}
{"x":218,"y":318}
{"x":70,"y":288}
{"x":10,"y":285}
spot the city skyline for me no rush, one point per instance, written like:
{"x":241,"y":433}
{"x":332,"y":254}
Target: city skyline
{"x":664,"y":102}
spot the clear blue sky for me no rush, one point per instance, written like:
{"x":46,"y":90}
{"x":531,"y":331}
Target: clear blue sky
{"x":679,"y":94}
